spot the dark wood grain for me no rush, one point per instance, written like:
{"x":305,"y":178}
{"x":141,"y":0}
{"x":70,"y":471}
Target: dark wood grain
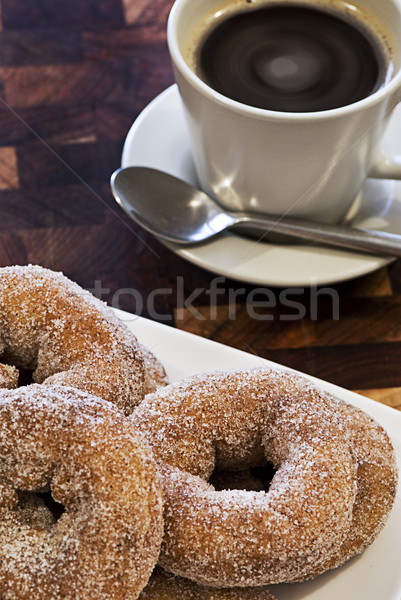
{"x":74,"y":75}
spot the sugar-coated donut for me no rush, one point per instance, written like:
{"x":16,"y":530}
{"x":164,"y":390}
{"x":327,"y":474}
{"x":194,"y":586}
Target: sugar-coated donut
{"x":65,"y":335}
{"x":165,"y":586}
{"x":236,"y":420}
{"x":106,"y":543}
{"x":376,"y":484}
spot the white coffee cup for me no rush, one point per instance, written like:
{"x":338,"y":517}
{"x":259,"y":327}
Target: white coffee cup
{"x":309,"y":164}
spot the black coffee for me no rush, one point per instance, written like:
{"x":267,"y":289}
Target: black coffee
{"x":291,"y":58}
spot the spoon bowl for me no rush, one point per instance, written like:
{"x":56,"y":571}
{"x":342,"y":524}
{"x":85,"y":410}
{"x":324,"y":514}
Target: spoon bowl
{"x":168,"y":207}
{"x":177,"y":212}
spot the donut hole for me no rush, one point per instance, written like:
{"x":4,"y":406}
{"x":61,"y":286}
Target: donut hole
{"x":56,"y":509}
{"x":41,"y":503}
{"x":25,"y":377}
{"x":254,"y":479}
{"x":264,"y":474}
{"x":36,"y":511}
{"x":12,"y":375}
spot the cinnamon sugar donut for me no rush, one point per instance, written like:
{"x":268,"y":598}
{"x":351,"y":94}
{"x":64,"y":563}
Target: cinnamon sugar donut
{"x":62,"y":333}
{"x":105,"y":545}
{"x":376,"y":483}
{"x":235,"y":420}
{"x":165,"y":586}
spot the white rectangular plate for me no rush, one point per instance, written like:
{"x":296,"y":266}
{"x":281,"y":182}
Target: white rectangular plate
{"x":376,"y":574}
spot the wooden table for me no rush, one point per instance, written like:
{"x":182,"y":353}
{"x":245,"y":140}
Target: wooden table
{"x":74,"y":75}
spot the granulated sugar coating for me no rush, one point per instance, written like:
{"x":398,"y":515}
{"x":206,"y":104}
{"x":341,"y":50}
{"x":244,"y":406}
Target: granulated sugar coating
{"x":165,"y":586}
{"x":376,"y":484}
{"x":155,"y":374}
{"x":325,"y":487}
{"x":8,"y":376}
{"x":106,"y":543}
{"x":51,"y":326}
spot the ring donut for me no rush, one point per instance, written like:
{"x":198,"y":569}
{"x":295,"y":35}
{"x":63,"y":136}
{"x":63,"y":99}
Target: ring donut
{"x":376,"y":484}
{"x":106,"y":543}
{"x":236,"y":420}
{"x":165,"y":586}
{"x":66,"y":336}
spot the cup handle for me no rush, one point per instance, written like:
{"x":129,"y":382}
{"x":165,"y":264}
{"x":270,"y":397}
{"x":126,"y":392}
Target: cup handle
{"x":385,"y":165}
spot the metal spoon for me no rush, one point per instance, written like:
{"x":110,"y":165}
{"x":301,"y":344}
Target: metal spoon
{"x":177,"y":212}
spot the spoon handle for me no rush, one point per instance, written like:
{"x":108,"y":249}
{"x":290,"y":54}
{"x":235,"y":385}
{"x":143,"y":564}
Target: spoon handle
{"x":366,"y":240}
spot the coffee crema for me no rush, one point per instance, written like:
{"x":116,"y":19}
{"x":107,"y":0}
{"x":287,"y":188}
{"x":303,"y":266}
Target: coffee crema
{"x":291,"y":58}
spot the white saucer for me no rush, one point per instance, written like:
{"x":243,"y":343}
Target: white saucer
{"x":159,"y":139}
